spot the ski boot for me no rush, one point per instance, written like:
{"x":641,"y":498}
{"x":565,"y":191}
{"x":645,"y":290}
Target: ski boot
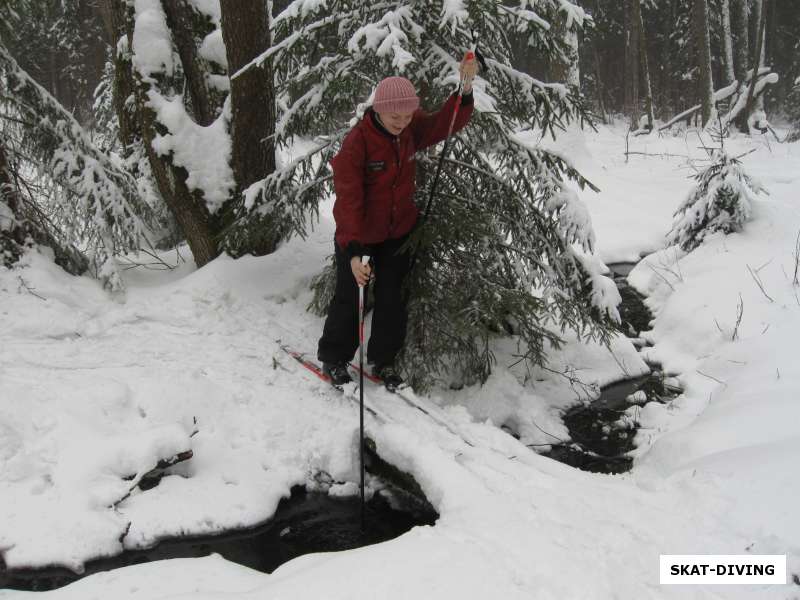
{"x":338,"y":373}
{"x":390,"y":377}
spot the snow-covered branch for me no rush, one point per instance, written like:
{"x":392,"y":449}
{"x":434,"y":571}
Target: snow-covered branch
{"x":100,"y":208}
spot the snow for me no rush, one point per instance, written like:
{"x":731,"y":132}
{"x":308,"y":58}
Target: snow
{"x":301,"y":8}
{"x":605,"y":295}
{"x":7,"y":219}
{"x":726,"y":92}
{"x":735,"y":423}
{"x":152,"y":41}
{"x":575,"y":222}
{"x":387,"y":37}
{"x":453,"y":13}
{"x":93,"y":387}
{"x":213,"y":49}
{"x":203,"y":151}
{"x":765,"y":78}
{"x":524,"y":15}
{"x":574,"y":15}
{"x":575,"y":374}
{"x":170,"y":577}
{"x":210,"y":8}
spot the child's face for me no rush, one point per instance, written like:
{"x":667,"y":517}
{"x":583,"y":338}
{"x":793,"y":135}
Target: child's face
{"x":395,"y":122}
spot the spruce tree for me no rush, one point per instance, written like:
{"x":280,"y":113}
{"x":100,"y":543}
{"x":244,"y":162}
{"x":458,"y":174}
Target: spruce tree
{"x":57,"y":188}
{"x":498,"y":255}
{"x":721,"y":201}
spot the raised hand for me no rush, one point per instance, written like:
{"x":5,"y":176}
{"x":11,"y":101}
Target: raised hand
{"x":467,"y":71}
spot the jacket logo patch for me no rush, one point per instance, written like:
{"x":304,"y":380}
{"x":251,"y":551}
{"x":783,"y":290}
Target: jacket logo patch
{"x":376,"y":165}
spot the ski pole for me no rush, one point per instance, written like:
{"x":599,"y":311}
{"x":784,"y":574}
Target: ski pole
{"x":468,"y":56}
{"x":364,"y":261}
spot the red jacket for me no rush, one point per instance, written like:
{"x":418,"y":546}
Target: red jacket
{"x":374,"y":175}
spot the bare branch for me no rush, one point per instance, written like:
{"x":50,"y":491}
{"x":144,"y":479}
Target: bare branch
{"x":739,"y":313}
{"x":710,"y":377}
{"x":757,"y":279}
{"x":660,"y":154}
{"x":24,"y":284}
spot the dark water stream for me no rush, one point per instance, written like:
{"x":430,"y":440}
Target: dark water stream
{"x":602,"y":433}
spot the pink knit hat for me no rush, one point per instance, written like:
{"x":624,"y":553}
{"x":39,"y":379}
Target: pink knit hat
{"x":395,"y":94}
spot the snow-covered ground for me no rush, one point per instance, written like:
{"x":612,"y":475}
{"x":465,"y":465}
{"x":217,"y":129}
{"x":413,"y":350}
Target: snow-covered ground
{"x":93,"y":389}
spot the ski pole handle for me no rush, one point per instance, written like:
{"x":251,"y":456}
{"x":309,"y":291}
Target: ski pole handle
{"x":466,"y":78}
{"x":364,"y":261}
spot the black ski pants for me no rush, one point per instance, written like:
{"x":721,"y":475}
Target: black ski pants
{"x":390,"y":314}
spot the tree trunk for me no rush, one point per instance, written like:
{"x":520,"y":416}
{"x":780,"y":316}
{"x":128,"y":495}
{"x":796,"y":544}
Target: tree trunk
{"x":760,"y":14}
{"x":245,"y":31}
{"x":115,"y":17}
{"x":599,"y":86}
{"x":740,"y":16}
{"x":566,"y":69}
{"x":645,"y":64}
{"x":727,"y":41}
{"x":183,"y":22}
{"x":631,"y":33}
{"x":762,"y":25}
{"x":771,"y":56}
{"x":189,"y":208}
{"x":770,"y":37}
{"x":703,"y":47}
{"x":755,"y":25}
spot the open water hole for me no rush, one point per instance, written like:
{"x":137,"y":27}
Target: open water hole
{"x":303,"y":523}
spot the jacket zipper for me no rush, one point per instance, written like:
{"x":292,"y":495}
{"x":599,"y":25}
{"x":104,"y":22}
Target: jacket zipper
{"x":396,"y":146}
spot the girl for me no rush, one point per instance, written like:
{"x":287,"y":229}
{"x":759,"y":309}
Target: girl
{"x":374,"y":182}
